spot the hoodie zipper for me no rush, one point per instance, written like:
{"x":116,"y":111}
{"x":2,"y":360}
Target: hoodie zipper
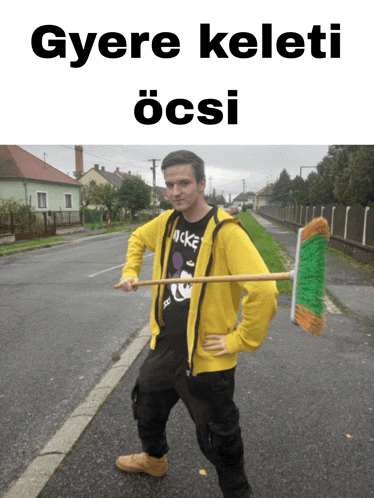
{"x":169,"y":225}
{"x":202,"y":294}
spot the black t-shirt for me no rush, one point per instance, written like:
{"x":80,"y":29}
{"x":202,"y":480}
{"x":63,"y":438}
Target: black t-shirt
{"x":171,"y":347}
{"x":182,"y":262}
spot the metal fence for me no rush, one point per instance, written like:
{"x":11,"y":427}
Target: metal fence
{"x":33,"y":224}
{"x":354,"y":223}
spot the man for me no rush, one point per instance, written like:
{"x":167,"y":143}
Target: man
{"x":195,"y":341}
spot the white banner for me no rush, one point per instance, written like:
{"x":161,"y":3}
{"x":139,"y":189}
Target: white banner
{"x":197,"y":72}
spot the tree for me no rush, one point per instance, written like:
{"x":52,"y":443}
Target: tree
{"x":215,"y":200}
{"x":166,"y":205}
{"x":361,"y":179}
{"x":86,"y":193}
{"x":282,"y":186}
{"x":134,"y":195}
{"x":106,"y":195}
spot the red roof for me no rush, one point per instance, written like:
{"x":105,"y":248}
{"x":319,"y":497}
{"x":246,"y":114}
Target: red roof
{"x":17,"y":163}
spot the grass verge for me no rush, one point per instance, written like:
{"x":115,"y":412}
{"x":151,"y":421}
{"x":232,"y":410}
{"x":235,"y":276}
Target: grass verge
{"x":268,"y":247}
{"x":36,"y":242}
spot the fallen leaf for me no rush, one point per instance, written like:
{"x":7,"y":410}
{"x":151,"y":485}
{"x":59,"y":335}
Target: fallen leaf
{"x":203,"y":472}
{"x":51,"y":379}
{"x":349,"y":436}
{"x":88,"y":350}
{"x":80,"y":378}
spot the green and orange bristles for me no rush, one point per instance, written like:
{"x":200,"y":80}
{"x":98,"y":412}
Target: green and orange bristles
{"x":309,"y":275}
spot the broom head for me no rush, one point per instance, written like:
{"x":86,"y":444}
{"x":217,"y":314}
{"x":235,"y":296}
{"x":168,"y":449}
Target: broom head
{"x":310,"y":276}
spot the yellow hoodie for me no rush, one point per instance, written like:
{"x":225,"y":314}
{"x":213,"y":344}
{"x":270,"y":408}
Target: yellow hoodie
{"x":226,"y":249}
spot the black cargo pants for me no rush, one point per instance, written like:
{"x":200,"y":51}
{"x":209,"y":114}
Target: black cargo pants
{"x":209,"y":400}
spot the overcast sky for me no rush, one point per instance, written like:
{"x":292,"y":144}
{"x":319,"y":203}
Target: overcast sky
{"x":226,"y":166}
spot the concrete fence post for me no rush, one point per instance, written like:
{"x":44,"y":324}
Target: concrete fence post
{"x":332,"y":219}
{"x":365,"y":224}
{"x":346,"y":221}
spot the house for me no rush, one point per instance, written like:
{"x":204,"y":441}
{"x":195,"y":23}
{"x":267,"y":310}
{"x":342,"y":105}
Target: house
{"x":244,"y":198}
{"x":101,"y":177}
{"x":157,"y":195}
{"x":26,"y":178}
{"x":264,"y":197}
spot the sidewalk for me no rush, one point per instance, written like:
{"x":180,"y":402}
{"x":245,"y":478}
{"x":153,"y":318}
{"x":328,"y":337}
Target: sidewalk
{"x":69,"y":237}
{"x":306,"y":408}
{"x":352,"y":287}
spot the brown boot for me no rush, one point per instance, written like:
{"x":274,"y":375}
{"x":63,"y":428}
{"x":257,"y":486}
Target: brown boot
{"x":142,"y":462}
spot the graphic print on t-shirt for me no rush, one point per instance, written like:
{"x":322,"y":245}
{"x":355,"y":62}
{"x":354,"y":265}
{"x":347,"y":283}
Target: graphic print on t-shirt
{"x":185,"y":247}
{"x":182,"y":260}
{"x":182,"y":264}
{"x":181,"y":291}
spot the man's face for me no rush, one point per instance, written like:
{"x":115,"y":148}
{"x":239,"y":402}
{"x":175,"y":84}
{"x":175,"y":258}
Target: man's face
{"x":181,"y":188}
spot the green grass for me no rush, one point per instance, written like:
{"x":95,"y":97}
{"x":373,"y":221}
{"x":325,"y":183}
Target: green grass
{"x":36,"y":242}
{"x":268,"y":247}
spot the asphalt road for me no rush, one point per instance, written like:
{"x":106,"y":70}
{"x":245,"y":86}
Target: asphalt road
{"x":306,"y":403}
{"x":61,"y":325}
{"x":306,"y":410}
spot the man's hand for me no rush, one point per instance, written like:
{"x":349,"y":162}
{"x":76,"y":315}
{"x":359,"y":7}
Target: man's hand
{"x":215,"y":342}
{"x":129,"y":284}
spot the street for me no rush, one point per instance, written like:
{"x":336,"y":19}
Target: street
{"x":306,"y":410}
{"x":62,"y":324}
{"x":306,"y":403}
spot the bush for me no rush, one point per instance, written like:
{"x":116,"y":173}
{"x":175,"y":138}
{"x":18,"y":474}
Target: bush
{"x":91,"y":216}
{"x":37,"y":228}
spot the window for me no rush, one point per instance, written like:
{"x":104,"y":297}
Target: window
{"x":68,"y":201}
{"x":42,"y":200}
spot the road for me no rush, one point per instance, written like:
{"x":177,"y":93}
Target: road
{"x":306,"y":403}
{"x":62,"y":324}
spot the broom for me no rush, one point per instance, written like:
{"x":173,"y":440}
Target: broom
{"x":308,"y":277}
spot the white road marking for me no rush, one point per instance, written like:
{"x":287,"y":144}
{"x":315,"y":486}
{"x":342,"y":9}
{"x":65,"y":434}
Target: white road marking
{"x":114,"y":267}
{"x":108,"y":269}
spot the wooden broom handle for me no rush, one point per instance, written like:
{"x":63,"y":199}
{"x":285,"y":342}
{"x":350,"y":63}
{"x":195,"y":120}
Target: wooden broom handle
{"x":225,"y":278}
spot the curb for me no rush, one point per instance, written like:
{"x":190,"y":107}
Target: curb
{"x":41,"y":469}
{"x":33,"y":248}
{"x":50,"y":245}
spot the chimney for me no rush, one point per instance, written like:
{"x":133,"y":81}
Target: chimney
{"x":117,"y":170}
{"x":129,"y":173}
{"x":96,"y":166}
{"x":102,"y":168}
{"x":78,"y":173}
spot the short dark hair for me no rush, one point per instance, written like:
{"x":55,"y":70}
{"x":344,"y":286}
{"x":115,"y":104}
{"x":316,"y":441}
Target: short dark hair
{"x":179,"y":157}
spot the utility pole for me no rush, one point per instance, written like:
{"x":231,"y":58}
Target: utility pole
{"x":153,"y":169}
{"x":210,"y":186}
{"x":44,"y":155}
{"x":243,"y":186}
